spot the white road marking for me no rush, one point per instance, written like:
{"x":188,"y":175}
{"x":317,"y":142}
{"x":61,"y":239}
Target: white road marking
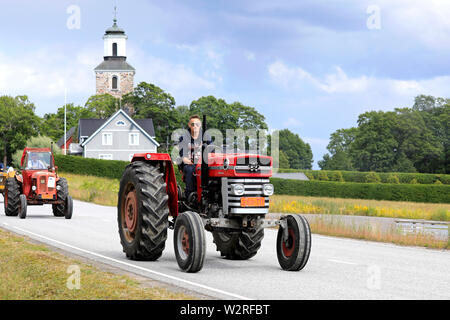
{"x":344,"y":262}
{"x":137,"y":267}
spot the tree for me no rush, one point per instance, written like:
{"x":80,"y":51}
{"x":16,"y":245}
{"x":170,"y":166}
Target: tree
{"x":102,"y":106}
{"x":53,"y":123}
{"x":18,"y":122}
{"x":298,"y":152}
{"x":150,"y":101}
{"x":339,"y":148}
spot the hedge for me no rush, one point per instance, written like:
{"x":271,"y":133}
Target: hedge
{"x":360,"y":177}
{"x":94,"y":167}
{"x":375,"y":191}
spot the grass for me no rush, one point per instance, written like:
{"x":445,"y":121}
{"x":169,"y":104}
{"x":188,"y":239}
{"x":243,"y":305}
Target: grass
{"x":333,"y":227}
{"x":359,"y":207}
{"x":31,"y":271}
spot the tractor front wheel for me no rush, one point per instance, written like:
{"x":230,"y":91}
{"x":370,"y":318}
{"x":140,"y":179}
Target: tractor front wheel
{"x":293,"y":250}
{"x":143,"y":212}
{"x":68,"y":209}
{"x":61,"y":194}
{"x":189,"y":241}
{"x":23,"y":206}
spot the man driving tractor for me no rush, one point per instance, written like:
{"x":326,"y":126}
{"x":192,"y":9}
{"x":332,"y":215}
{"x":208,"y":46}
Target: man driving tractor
{"x":34,"y":163}
{"x":191,"y":152}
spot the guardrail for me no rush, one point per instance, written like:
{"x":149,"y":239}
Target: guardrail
{"x":438,"y":228}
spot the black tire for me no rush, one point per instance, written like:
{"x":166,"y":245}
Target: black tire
{"x":146,"y":237}
{"x":68,"y":210}
{"x":238,"y":246}
{"x":189,"y":241}
{"x":61,"y":194}
{"x":11,"y":199}
{"x":23,"y":206}
{"x":294,"y":254}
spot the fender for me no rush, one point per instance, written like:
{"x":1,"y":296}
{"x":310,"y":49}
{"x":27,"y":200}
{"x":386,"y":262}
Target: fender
{"x":169,"y":176}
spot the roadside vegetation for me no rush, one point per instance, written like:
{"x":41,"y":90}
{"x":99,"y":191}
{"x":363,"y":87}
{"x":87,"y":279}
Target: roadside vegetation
{"x":360,"y":207}
{"x":31,"y":271}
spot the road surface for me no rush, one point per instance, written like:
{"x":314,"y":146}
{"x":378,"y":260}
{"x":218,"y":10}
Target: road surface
{"x":338,"y":268}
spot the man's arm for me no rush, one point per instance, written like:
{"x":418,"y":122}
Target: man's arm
{"x":182,"y":145}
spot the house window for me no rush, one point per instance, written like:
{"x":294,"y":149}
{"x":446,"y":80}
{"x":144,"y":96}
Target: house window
{"x":134,"y":139}
{"x":114,"y":83}
{"x":105,"y":156}
{"x":121,"y":123}
{"x":114,"y":49}
{"x":107,"y":139}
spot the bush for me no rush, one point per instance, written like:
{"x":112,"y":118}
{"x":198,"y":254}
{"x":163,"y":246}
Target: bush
{"x":322,"y":176}
{"x":336,"y":176}
{"x":393,"y":179}
{"x":86,"y":166}
{"x":413,"y":181}
{"x":372,"y":177}
{"x":377,"y":191}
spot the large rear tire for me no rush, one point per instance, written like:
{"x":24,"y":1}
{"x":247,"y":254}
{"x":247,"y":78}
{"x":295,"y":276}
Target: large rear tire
{"x":239,"y":246}
{"x":189,"y":241}
{"x":143,"y":211}
{"x":11,"y":199}
{"x":293,"y":254}
{"x":61,"y":194}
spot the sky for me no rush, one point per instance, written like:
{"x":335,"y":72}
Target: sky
{"x":311,"y":66}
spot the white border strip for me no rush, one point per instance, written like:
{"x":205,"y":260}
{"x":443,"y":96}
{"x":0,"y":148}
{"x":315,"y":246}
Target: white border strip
{"x":137,"y":267}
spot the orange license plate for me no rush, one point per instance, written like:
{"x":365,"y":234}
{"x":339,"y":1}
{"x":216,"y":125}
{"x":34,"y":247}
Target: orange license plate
{"x":252,"y":202}
{"x":47,"y":196}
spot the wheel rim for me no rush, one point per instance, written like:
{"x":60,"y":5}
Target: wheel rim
{"x":130,"y":214}
{"x":289,"y":245}
{"x":183,"y":243}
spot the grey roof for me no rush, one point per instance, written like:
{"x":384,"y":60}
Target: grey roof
{"x":114,"y":64}
{"x":69,"y":134}
{"x":88,"y":126}
{"x":115,"y":29}
{"x":292,"y":176}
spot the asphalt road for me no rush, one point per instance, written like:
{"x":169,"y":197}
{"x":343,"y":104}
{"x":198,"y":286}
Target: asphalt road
{"x":337,"y":269}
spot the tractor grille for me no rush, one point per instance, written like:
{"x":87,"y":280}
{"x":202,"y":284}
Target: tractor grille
{"x":252,"y":165}
{"x":42,"y":181}
{"x":253,"y":188}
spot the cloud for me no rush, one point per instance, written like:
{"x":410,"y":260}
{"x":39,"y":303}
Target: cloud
{"x":292,"y":123}
{"x":339,"y":82}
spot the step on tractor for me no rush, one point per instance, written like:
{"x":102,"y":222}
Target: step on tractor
{"x":37,"y":184}
{"x":231,"y":201}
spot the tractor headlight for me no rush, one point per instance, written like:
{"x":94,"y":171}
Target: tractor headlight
{"x":237,"y":189}
{"x":33,"y":188}
{"x":268,"y":189}
{"x":58,"y":187}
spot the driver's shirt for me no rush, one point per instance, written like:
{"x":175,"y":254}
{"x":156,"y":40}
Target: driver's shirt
{"x":35,"y":164}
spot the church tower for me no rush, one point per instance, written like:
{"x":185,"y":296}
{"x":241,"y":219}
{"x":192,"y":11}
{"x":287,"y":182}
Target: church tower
{"x":114,"y":75}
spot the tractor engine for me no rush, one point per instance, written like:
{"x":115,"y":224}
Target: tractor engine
{"x":239,"y":186}
{"x":43,"y":186}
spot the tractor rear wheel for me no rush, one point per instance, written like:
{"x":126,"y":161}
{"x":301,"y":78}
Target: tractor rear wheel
{"x":61,"y":194}
{"x":189,"y":241}
{"x":239,"y":246}
{"x":293,"y":252}
{"x":12,"y":197}
{"x":143,"y":212}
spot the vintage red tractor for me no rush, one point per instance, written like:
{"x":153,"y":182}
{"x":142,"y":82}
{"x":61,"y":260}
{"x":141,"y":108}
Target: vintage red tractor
{"x":38,"y":184}
{"x":231,"y":201}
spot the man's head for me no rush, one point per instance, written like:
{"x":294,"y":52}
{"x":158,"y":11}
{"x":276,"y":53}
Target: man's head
{"x":194,"y":125}
{"x":33,"y":156}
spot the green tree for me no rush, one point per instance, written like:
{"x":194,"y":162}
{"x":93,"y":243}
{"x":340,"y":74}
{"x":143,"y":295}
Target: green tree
{"x":18,"y":122}
{"x":339,"y":148}
{"x":53,"y":123}
{"x":150,"y":101}
{"x":102,"y":106}
{"x":296,"y":150}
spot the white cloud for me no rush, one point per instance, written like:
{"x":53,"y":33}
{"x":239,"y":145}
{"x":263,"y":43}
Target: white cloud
{"x":339,"y":82}
{"x":292,"y":123}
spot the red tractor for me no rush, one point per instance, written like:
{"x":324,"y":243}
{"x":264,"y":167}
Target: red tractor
{"x":231,"y":201}
{"x":38,"y":184}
